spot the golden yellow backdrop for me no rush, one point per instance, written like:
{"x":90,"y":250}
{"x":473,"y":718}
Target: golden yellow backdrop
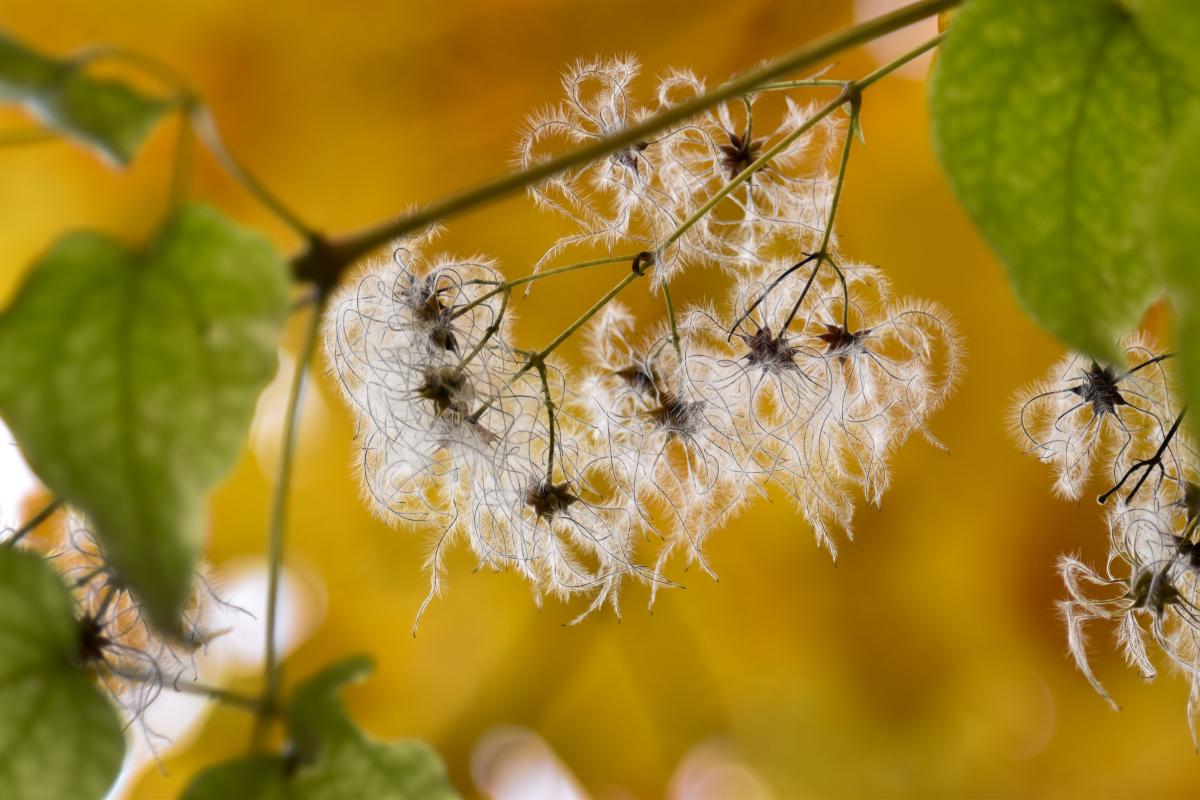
{"x":929,"y":662}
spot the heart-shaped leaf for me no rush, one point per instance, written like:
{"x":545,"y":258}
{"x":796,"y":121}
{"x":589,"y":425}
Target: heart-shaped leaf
{"x":129,"y":380}
{"x":60,"y":736}
{"x":1174,"y":27}
{"x":1177,"y":245}
{"x":1050,"y":117}
{"x":110,"y":116}
{"x":331,"y":758}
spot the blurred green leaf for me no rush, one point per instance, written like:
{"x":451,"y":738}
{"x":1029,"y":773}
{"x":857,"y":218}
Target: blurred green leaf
{"x":61,"y":737}
{"x":1050,"y":117}
{"x":129,"y":380}
{"x":1174,"y":27}
{"x":107,"y":115}
{"x":331,"y":758}
{"x":1177,"y":244}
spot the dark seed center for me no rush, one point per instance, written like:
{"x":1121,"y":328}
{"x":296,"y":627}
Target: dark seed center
{"x":1099,"y":388}
{"x":548,"y":499}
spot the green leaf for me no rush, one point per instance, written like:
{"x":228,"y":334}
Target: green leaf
{"x":331,"y":758}
{"x":1174,"y":27}
{"x":1177,"y":245}
{"x":129,"y":380}
{"x":60,"y":736}
{"x":1049,"y":117}
{"x":110,"y":116}
{"x":250,"y":778}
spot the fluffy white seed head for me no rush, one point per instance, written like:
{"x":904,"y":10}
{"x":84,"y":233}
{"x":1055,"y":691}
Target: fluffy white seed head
{"x":807,"y":377}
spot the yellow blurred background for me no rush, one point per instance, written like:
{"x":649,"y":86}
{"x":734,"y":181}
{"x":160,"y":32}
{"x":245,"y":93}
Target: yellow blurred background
{"x":928,"y":663}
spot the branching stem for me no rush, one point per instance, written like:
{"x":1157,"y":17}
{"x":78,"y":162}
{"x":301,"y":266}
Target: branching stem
{"x":181,"y":165}
{"x":350,"y":249}
{"x":823,"y":252}
{"x":198,"y":119}
{"x":851,"y":93}
{"x":1147,"y":465}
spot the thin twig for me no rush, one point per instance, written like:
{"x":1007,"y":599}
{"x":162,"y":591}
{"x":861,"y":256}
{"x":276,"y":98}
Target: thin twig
{"x":206,"y":129}
{"x":550,"y":422}
{"x":349,"y":249}
{"x":1147,"y":464}
{"x":182,"y":686}
{"x":537,"y":276}
{"x":643,"y":261}
{"x":36,"y":520}
{"x":278,"y":523}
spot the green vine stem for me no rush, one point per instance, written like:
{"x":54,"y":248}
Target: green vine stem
{"x":537,"y":276}
{"x":206,"y":129}
{"x":325,"y":259}
{"x":224,"y":696}
{"x":851,"y":92}
{"x":642,"y":262}
{"x":273,"y":677}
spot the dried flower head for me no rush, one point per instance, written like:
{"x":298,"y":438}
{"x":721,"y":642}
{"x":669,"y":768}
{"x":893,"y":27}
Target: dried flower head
{"x":808,"y":378}
{"x":1086,"y":413}
{"x":416,"y":346}
{"x":666,"y":444}
{"x":784,"y":204}
{"x":130,"y":658}
{"x":1125,"y":423}
{"x":618,"y":198}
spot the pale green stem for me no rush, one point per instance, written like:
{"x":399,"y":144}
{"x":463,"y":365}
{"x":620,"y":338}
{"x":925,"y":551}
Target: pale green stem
{"x":278,"y":523}
{"x":150,"y":66}
{"x":839,"y":182}
{"x":823,"y":253}
{"x":671,"y":318}
{"x":582,"y":320}
{"x":849,"y":94}
{"x":350,"y":248}
{"x":855,"y":110}
{"x":749,"y":171}
{"x":539,"y":357}
{"x":541,"y":368}
{"x":27,"y":136}
{"x":892,"y":66}
{"x":492,"y":329}
{"x":783,"y":86}
{"x":225,"y":696}
{"x":181,"y":165}
{"x":537,"y":276}
{"x":206,"y":129}
{"x":850,"y":90}
{"x":595,"y":262}
{"x":204,"y":126}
